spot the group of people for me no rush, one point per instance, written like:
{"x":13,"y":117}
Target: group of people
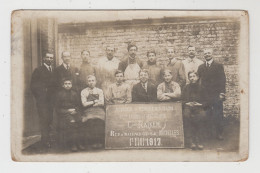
{"x":78,"y":96}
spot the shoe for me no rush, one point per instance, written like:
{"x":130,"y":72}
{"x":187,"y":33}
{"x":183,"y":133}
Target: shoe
{"x":193,"y":146}
{"x":97,"y":146}
{"x":200,"y":147}
{"x":81,"y":147}
{"x":74,"y":148}
{"x":220,"y":137}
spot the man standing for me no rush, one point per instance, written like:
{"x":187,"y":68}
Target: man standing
{"x":191,"y":63}
{"x":42,"y":90}
{"x":86,"y":69}
{"x":145,"y":90}
{"x":65,"y":70}
{"x":131,"y":66}
{"x":152,"y":67}
{"x":213,"y":82}
{"x":106,"y":69}
{"x":176,"y":67}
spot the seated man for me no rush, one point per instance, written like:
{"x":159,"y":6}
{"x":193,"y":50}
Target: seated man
{"x":194,"y":115}
{"x":92,"y":99}
{"x":168,"y":90}
{"x":118,"y":92}
{"x":69,"y":118}
{"x":145,"y":90}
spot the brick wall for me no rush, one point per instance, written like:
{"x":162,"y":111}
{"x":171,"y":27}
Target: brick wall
{"x":219,"y":34}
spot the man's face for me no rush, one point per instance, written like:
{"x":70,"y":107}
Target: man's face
{"x":193,"y":78}
{"x":144,"y":77}
{"x":48,"y":59}
{"x":110,"y":52}
{"x":85,"y":56}
{"x":67,"y":85}
{"x":66,"y":57}
{"x":208,"y":54}
{"x":170,"y":53}
{"x":92,"y":82}
{"x":119,"y":77}
{"x":151,"y":57}
{"x":132,"y":52}
{"x":167,"y":77}
{"x":192,"y":52}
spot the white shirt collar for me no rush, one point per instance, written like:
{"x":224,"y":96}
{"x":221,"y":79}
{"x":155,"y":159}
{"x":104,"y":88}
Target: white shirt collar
{"x":191,"y":59}
{"x":65,"y":65}
{"x":209,"y":62}
{"x":47,"y":66}
{"x":112,"y":60}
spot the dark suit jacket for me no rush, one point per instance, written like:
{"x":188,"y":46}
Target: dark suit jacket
{"x":213,"y":81}
{"x":61,"y":72}
{"x":124,"y":63}
{"x":140,"y":95}
{"x":41,"y":84}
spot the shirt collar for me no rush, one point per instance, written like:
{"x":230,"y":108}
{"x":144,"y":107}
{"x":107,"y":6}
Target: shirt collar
{"x":47,"y":66}
{"x":191,"y":59}
{"x":119,"y":84}
{"x":131,"y":61}
{"x":145,"y":84}
{"x":209,"y":62}
{"x":107,"y":60}
{"x":65,"y":65}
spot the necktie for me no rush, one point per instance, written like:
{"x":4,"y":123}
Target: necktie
{"x":68,"y":67}
{"x":50,"y":69}
{"x":144,"y":87}
{"x":207,"y":65}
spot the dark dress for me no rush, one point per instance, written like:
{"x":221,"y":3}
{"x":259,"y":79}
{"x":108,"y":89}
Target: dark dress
{"x":69,"y":126}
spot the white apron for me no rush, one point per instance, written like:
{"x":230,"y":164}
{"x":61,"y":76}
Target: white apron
{"x":132,"y":74}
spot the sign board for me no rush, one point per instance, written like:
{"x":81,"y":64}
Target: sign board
{"x":157,"y":125}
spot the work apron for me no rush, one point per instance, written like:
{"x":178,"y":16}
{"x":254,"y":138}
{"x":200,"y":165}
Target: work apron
{"x":132,"y":74}
{"x":97,"y":112}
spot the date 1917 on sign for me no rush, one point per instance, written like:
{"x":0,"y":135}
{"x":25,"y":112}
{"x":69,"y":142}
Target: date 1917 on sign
{"x":145,"y":142}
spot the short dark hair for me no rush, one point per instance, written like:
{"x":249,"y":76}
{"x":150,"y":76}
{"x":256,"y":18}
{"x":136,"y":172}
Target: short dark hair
{"x":111,"y":47}
{"x":144,"y":70}
{"x":119,"y":71}
{"x":65,"y":79}
{"x":166,"y":71}
{"x":45,"y":54}
{"x":132,"y":44}
{"x":151,"y":51}
{"x":192,"y":72}
{"x":191,"y":46}
{"x":85,"y":50}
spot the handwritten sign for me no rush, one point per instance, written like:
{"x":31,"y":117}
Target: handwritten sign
{"x":144,"y":126}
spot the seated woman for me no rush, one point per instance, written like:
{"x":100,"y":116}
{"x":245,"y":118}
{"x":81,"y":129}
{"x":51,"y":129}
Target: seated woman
{"x":193,"y":113}
{"x":92,"y":99}
{"x":168,"y":90}
{"x":69,"y":117}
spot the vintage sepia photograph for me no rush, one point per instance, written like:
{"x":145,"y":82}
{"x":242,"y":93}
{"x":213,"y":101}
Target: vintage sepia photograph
{"x":129,"y":85}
